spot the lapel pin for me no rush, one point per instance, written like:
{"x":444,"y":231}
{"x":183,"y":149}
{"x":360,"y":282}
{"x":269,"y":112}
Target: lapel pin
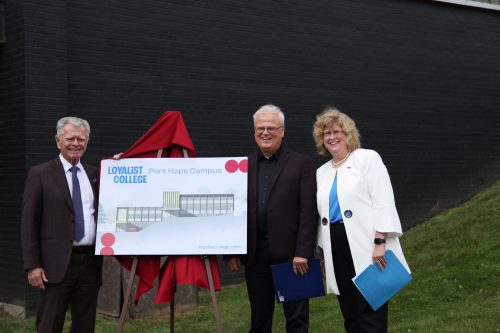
{"x":324,"y":221}
{"x":348,"y":213}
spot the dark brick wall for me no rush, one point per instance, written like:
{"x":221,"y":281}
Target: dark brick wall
{"x":421,"y":79}
{"x":12,"y":149}
{"x":46,"y":84}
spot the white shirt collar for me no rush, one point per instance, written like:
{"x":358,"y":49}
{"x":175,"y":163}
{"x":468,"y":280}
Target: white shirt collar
{"x":67,"y":165}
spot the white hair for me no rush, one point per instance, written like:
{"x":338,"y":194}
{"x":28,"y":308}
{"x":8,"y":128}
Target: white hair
{"x":77,"y":122}
{"x":269,"y":108}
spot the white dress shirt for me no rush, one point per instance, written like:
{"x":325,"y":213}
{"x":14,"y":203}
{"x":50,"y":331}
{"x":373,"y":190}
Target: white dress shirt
{"x":87,"y":200}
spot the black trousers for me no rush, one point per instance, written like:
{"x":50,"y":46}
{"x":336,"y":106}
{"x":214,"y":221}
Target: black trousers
{"x":260,"y":288}
{"x":357,"y":313}
{"x":79,"y":290}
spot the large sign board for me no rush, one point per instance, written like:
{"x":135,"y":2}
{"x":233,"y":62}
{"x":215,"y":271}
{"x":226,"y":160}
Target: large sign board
{"x":172,"y":206}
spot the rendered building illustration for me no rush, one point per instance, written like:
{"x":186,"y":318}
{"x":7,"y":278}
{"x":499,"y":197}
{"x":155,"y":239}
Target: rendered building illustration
{"x":133,"y":219}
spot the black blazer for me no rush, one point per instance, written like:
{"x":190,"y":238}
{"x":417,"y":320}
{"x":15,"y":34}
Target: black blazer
{"x":47,"y":222}
{"x":292,"y":214}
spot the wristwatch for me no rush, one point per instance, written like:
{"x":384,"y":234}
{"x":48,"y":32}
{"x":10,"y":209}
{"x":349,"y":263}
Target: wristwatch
{"x":379,"y":241}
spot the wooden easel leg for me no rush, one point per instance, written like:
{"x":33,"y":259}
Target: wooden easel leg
{"x":218,"y":324}
{"x":121,"y":321}
{"x":172,"y":314}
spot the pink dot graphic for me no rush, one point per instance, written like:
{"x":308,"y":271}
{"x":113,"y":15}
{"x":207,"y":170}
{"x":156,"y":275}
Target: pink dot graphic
{"x":231,"y":166}
{"x":108,"y":239}
{"x":107,"y":251}
{"x":244,"y":166}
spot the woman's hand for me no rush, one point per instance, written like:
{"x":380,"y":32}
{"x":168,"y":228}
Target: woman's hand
{"x":378,"y":256}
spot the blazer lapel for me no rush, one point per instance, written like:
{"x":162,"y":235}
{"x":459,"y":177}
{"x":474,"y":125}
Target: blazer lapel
{"x":282,"y":160}
{"x":252,"y":180}
{"x":93,"y":182}
{"x":326,"y":182}
{"x":57,"y":174}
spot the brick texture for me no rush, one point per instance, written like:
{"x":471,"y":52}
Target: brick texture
{"x":421,"y":79}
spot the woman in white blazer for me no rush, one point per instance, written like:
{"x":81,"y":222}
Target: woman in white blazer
{"x":358,"y":217}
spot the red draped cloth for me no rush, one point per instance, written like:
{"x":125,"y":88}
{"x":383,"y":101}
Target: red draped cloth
{"x":168,"y":133}
{"x":148,"y":268}
{"x":185,"y":270}
{"x":171,"y":136}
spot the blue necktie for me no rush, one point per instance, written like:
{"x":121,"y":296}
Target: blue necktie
{"x":77,"y":205}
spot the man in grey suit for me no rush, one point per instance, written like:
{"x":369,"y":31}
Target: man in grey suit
{"x":58,"y":229}
{"x":282,"y":221}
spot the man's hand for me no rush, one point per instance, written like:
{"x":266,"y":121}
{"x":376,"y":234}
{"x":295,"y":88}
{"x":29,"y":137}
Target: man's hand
{"x":117,"y":156}
{"x":36,"y":278}
{"x":233,"y":264}
{"x":300,"y":265}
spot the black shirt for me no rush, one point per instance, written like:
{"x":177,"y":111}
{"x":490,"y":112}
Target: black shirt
{"x":265,"y":169}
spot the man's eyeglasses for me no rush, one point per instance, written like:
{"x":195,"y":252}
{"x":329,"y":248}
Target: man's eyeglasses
{"x":270,"y":130}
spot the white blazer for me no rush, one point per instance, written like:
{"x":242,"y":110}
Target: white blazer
{"x":365,"y":194}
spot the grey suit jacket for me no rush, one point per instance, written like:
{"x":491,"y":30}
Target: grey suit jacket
{"x":47,"y":222}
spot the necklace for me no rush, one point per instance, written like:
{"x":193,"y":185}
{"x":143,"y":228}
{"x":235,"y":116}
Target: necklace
{"x":337,"y":164}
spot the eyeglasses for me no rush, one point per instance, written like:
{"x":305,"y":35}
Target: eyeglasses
{"x":270,"y":130}
{"x":330,"y":133}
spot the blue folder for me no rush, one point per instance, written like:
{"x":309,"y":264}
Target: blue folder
{"x":377,"y":286}
{"x":289,"y":286}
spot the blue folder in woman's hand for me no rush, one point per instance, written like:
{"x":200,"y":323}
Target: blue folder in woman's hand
{"x":378,"y":286}
{"x":289,"y":286}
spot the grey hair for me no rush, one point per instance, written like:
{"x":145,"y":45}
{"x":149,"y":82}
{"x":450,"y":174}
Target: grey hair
{"x":269,"y":108}
{"x":77,"y":122}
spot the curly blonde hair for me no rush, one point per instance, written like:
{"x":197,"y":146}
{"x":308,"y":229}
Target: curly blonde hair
{"x":329,"y":117}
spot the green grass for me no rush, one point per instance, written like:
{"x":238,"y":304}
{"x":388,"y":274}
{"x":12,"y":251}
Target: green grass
{"x":454,"y":259}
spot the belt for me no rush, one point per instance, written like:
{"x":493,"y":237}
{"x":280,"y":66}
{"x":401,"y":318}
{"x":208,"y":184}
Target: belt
{"x":84,"y":249}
